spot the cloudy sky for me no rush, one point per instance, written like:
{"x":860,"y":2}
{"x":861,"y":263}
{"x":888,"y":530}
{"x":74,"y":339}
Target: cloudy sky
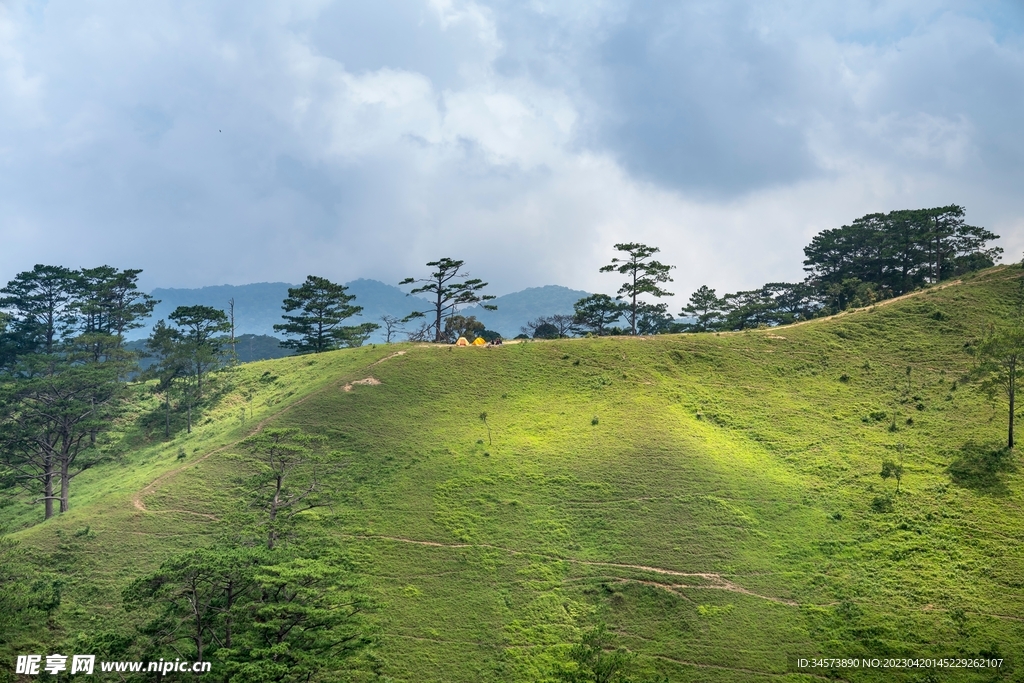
{"x":233,"y":142}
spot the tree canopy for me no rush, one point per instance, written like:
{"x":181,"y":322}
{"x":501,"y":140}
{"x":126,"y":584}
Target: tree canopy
{"x":449,"y":287}
{"x":643,"y":276}
{"x":894,"y":253}
{"x":63,"y":371}
{"x":322,"y":306}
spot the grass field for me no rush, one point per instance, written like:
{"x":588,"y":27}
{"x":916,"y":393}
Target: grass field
{"x":714,"y":499}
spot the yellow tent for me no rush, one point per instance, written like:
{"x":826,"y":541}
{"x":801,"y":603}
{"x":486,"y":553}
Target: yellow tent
{"x":462,"y":342}
{"x":479,"y":341}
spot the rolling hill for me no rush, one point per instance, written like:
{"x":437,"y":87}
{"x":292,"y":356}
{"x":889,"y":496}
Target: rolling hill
{"x":714,"y":499}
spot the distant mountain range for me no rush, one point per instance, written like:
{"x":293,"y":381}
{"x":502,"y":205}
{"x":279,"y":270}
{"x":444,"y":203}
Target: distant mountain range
{"x":258,"y":305}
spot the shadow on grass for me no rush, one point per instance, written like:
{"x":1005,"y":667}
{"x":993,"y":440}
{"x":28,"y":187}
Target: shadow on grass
{"x":983,"y":468}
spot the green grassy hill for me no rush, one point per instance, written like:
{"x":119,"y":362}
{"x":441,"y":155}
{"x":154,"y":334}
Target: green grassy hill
{"x":715,"y":499}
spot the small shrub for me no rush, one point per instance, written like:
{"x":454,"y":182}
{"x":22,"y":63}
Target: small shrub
{"x":836,"y":516}
{"x":576,"y":362}
{"x":844,"y":378}
{"x":982,"y":467}
{"x":882,"y":504}
{"x":594,"y":421}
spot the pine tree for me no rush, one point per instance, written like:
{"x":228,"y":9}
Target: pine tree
{"x":322,"y":306}
{"x":450,"y":287}
{"x":643,"y":277}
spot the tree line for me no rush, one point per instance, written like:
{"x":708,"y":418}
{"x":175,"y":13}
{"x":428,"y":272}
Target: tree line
{"x":875,"y":257}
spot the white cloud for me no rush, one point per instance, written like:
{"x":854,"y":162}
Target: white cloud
{"x":266,"y":141}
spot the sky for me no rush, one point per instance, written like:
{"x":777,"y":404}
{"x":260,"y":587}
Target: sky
{"x":231,"y":142}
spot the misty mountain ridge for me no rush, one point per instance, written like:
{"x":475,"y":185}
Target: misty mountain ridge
{"x":258,"y":305}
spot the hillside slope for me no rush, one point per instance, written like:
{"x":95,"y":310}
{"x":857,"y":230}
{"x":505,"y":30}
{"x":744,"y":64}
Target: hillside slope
{"x":715,"y":499}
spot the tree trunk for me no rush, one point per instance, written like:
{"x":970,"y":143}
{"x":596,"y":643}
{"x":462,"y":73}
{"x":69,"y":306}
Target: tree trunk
{"x":437,"y":324}
{"x":47,"y":487}
{"x":189,"y":430}
{"x":271,"y":533}
{"x":65,"y":485}
{"x":167,"y":416}
{"x":632,"y":321}
{"x":1013,"y":396}
{"x":227,"y":618}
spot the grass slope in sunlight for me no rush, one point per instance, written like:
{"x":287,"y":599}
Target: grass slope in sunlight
{"x":715,"y":499}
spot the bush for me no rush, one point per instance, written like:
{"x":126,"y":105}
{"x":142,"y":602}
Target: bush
{"x":882,"y":504}
{"x":546,"y":331}
{"x":982,"y":467}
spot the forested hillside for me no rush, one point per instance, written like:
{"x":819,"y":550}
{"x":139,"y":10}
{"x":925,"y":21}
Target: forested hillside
{"x":715,"y":505}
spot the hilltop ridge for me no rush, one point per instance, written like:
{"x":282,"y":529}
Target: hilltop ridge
{"x":258,"y":305}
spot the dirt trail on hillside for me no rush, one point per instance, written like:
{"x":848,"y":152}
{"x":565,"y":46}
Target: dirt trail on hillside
{"x":394,"y":355}
{"x":886,"y":302}
{"x":717,"y":582}
{"x":152,"y":486}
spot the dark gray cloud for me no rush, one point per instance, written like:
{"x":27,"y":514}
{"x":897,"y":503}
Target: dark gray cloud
{"x":259,"y":141}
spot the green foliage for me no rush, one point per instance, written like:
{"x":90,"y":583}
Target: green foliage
{"x":595,"y":660}
{"x":643,"y":276}
{"x":595,"y":314}
{"x":289,"y":479}
{"x":322,"y":306}
{"x":546,"y":331}
{"x":196,"y":342}
{"x":28,"y":600}
{"x":883,"y":255}
{"x":182,"y":356}
{"x":1000,"y":368}
{"x":776,"y":303}
{"x":706,"y":307}
{"x":892,"y":470}
{"x":354,"y":336}
{"x":653,"y":318}
{"x":982,"y":467}
{"x":260,"y":616}
{"x":461,"y":326}
{"x":449,"y":287}
{"x":62,"y":372}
